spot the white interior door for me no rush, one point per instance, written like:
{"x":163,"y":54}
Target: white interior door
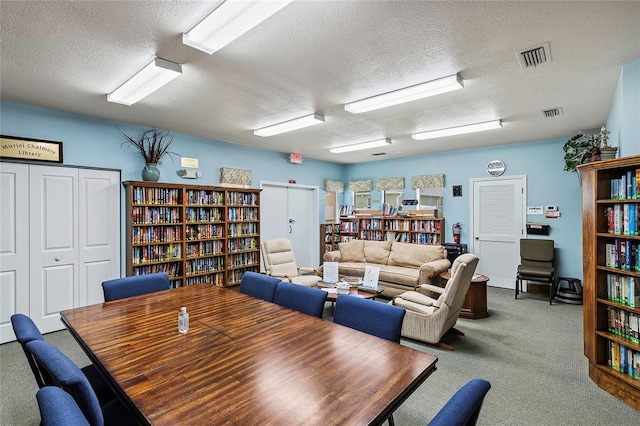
{"x":14,"y":245}
{"x":53,"y":212}
{"x":98,"y":232}
{"x":291,"y":211}
{"x":498,"y":206}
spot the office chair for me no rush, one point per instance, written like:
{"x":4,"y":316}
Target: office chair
{"x":259,"y":285}
{"x":537,"y":258}
{"x":121,"y":288}
{"x":58,"y":408}
{"x":464,"y":406}
{"x":300,"y":298}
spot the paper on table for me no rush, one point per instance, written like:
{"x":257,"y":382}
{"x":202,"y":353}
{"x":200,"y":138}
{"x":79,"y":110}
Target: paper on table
{"x":371,"y":274}
{"x":330,"y":290}
{"x":330,"y":272}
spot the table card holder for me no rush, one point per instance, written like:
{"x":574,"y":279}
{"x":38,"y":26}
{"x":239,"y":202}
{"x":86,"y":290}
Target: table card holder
{"x":330,"y":272}
{"x":371,"y":274}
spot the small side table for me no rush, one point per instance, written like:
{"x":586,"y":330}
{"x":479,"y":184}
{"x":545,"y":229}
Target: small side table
{"x":475,"y":302}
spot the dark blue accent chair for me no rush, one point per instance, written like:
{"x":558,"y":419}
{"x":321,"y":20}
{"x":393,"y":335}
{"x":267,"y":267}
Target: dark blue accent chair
{"x":58,"y":408}
{"x":65,"y":374}
{"x":121,"y":288}
{"x":464,"y":406}
{"x":26,"y":331}
{"x":379,"y":319}
{"x":260,"y":286}
{"x":307,"y":300}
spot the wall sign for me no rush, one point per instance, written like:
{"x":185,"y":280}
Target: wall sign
{"x":495,"y":168}
{"x":30,"y":149}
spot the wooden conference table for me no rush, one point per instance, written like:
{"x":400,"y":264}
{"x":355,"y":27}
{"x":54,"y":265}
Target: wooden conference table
{"x":244,"y":361}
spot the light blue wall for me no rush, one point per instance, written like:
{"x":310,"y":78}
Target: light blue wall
{"x":624,"y":116}
{"x":95,"y":142}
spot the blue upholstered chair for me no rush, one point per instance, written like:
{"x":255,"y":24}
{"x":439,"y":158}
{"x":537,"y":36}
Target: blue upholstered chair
{"x":464,"y":406}
{"x":26,"y":331}
{"x":65,"y":374}
{"x":121,"y":288}
{"x":307,"y":300}
{"x":259,"y":285}
{"x":58,"y":408}
{"x":378,"y":319}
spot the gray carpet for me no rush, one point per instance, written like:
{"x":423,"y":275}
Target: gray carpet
{"x":530,"y":352}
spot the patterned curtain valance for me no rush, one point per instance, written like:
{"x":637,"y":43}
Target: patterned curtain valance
{"x":361,"y":185}
{"x":427,"y":181}
{"x":235,"y":176}
{"x":333,"y":185}
{"x":387,"y":184}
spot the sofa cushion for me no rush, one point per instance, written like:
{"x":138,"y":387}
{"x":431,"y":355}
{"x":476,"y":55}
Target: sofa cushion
{"x":399,"y":275}
{"x":377,"y":251}
{"x":353,"y":251}
{"x":413,"y":255}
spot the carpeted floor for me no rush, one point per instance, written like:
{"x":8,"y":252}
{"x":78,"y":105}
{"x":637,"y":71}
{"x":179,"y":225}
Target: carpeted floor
{"x":530,"y":352}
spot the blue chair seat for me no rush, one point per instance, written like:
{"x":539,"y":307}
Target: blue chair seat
{"x":58,"y":408}
{"x":464,"y":406}
{"x":259,"y":285}
{"x":136,"y":285}
{"x":378,"y":319}
{"x":307,"y":300}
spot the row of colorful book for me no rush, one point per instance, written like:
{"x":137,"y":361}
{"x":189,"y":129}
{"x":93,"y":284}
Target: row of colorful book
{"x":624,"y":360}
{"x":627,"y":186}
{"x":623,"y":289}
{"x":624,"y":323}
{"x":623,"y":254}
{"x":623,"y":219}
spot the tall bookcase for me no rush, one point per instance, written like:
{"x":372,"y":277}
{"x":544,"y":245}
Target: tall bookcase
{"x":611,"y":332}
{"x":194,"y":233}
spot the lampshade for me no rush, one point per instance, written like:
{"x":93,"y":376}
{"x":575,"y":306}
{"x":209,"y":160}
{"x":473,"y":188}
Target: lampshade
{"x":412,"y":93}
{"x":287,"y":126}
{"x":228,"y":22}
{"x":471,"y":128}
{"x":359,"y":146}
{"x":149,"y":79}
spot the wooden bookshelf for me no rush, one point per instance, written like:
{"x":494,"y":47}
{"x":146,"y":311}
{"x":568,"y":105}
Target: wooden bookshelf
{"x":608,"y":314}
{"x":329,"y":238}
{"x":194,"y":233}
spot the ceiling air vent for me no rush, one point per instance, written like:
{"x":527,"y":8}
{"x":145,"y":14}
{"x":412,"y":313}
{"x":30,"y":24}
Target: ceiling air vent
{"x":553,"y":112}
{"x":534,"y":56}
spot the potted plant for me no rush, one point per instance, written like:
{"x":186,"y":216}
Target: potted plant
{"x":152,"y":144}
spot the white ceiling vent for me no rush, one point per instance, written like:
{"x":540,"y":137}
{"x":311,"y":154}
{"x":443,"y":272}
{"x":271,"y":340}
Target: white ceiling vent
{"x":553,"y":112}
{"x":534,"y":56}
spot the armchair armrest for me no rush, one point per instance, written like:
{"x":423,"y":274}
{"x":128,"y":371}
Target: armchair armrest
{"x":430,"y":290}
{"x":432,"y":269}
{"x":282,"y":277}
{"x":331,"y":256}
{"x":307,"y":271}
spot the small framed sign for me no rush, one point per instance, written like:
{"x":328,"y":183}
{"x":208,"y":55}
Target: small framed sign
{"x":30,"y":149}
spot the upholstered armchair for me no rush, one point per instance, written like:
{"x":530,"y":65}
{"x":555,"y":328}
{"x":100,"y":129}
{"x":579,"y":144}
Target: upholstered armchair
{"x":432,"y":310}
{"x":279,"y":261}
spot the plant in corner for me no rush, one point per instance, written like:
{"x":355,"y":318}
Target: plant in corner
{"x":583,"y":148}
{"x":152,"y":144}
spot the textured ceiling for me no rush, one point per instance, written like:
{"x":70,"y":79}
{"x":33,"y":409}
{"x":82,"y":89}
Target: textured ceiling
{"x":314,"y":56}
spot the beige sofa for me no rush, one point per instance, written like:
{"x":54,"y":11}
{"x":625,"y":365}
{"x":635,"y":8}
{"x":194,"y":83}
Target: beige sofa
{"x":402,"y":265}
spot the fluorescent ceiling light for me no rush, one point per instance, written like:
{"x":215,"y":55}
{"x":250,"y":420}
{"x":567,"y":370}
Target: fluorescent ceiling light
{"x":471,"y":128}
{"x":359,"y":146}
{"x":408,"y":94}
{"x":287,"y":126}
{"x":228,"y":22}
{"x":152,"y":77}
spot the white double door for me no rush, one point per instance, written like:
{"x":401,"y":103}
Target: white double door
{"x":291,"y":211}
{"x":59,"y":239}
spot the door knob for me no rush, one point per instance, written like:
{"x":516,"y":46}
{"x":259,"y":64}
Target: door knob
{"x":477,"y":238}
{"x":57,"y":259}
{"x":292,"y":221}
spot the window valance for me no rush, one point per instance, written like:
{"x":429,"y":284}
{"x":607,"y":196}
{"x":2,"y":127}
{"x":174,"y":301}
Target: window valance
{"x":427,"y":181}
{"x":387,"y":184}
{"x":235,"y":176}
{"x":361,"y":185}
{"x":331,"y":185}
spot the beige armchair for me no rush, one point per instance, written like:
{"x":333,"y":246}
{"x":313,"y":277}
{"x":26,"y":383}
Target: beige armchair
{"x":279,"y":261}
{"x":432,"y":310}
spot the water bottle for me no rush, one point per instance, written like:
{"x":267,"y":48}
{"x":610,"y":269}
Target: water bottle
{"x":183,"y":321}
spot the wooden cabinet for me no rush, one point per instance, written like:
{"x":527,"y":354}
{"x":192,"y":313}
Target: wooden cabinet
{"x":611,"y":276}
{"x":194,"y":233}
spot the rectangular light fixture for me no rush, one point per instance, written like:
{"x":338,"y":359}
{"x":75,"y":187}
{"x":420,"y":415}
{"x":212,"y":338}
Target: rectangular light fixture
{"x":149,"y":79}
{"x":408,"y":94}
{"x":228,"y":22}
{"x":359,"y":146}
{"x":471,"y":128}
{"x":287,"y":126}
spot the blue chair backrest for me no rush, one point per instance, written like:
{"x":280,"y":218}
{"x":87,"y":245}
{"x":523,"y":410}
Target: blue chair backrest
{"x":26,"y":331}
{"x":121,"y":288}
{"x":303,"y":299}
{"x":464,"y":406}
{"x":378,"y":319}
{"x":58,"y":408}
{"x":260,"y":286}
{"x":68,"y":376}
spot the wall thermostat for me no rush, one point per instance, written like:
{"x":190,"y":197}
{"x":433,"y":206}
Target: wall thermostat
{"x":551,"y":208}
{"x":495,"y":168}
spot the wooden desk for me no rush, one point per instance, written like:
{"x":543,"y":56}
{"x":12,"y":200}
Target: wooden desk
{"x":244,"y":361}
{"x":475,"y":302}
